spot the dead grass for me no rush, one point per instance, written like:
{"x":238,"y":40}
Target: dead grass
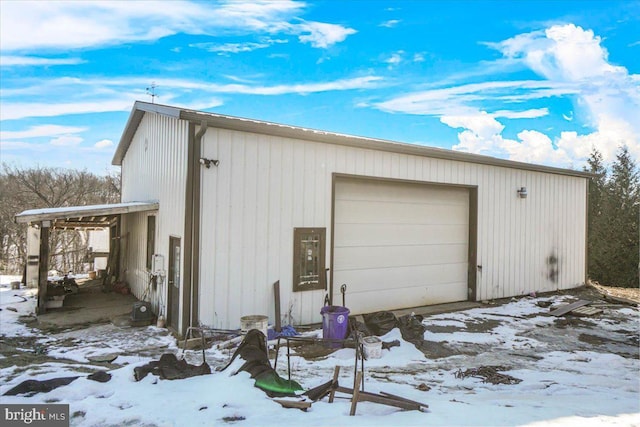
{"x":631,"y":294}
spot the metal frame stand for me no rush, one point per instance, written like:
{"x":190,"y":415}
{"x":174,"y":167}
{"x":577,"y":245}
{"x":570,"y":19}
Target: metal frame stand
{"x":203,"y":331}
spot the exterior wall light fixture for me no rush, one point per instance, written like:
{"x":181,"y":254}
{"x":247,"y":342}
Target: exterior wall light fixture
{"x":208,"y":162}
{"x":522,"y":192}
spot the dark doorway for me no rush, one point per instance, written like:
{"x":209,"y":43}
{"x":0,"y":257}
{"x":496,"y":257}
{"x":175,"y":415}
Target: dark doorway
{"x":174,"y":283}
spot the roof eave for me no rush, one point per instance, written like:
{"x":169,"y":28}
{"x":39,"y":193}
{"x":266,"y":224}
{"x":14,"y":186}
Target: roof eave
{"x":276,"y":129}
{"x":51,"y":214}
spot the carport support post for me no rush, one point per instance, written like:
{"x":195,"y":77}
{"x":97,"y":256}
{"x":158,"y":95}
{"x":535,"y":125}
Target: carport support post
{"x":44,"y":267}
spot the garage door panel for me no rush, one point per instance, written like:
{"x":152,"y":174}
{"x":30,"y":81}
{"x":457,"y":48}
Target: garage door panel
{"x":378,"y":212}
{"x":355,"y":257}
{"x":399,"y":244}
{"x":362,"y":235}
{"x":401,"y":192}
{"x":377,"y":279}
{"x":404,"y":298}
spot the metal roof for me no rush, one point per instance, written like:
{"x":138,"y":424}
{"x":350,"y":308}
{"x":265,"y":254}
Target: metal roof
{"x":90,"y":216}
{"x":276,"y":129}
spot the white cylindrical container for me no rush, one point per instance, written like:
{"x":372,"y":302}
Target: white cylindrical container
{"x":255,"y":321}
{"x":372,"y":347}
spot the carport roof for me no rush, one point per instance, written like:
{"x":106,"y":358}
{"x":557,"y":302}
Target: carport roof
{"x":90,"y":216}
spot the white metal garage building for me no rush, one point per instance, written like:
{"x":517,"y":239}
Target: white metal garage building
{"x":244,"y":203}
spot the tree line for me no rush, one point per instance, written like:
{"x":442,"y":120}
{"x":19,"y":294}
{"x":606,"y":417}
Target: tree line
{"x":41,"y":187}
{"x":614,"y":213}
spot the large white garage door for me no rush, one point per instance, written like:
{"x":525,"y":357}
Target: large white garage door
{"x":399,"y":245}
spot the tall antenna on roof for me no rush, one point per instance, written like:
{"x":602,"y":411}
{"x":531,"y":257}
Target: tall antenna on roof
{"x":151,"y":90}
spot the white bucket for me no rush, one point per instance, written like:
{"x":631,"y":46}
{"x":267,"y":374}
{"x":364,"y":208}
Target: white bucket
{"x":54,"y":301}
{"x":256,"y":321}
{"x":372,"y":347}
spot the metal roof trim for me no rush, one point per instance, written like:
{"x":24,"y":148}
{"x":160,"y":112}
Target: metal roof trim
{"x":51,"y":214}
{"x":287,"y":131}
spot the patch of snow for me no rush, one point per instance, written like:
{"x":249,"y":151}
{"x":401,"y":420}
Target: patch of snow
{"x":559,"y":386}
{"x":22,"y":300}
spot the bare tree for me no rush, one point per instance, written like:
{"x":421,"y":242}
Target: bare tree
{"x":40,"y":187}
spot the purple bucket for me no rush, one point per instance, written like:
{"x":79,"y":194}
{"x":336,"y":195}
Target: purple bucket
{"x":335,"y":323}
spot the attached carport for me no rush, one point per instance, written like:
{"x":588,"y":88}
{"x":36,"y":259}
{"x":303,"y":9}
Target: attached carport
{"x":41,"y":221}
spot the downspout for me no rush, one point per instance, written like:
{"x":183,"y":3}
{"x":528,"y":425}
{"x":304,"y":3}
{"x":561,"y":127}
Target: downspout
{"x":586,"y":234}
{"x":195,"y":224}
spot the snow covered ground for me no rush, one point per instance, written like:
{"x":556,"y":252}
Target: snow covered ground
{"x":582,"y":372}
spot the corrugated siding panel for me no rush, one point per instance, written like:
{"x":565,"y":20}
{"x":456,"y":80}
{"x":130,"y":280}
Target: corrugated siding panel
{"x":154,"y":168}
{"x":265,"y":186}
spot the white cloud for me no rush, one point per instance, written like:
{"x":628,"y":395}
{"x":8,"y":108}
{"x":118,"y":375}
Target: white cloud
{"x":226,"y":48}
{"x":534,"y":147}
{"x":13,"y":61}
{"x":561,"y":52}
{"x":64,"y":25}
{"x":395,"y":58}
{"x":20,"y":110}
{"x":483,"y":135}
{"x":322,"y":35}
{"x":418,"y":57}
{"x":39,"y":25}
{"x":390,"y":23}
{"x":611,"y":133}
{"x":304,"y":88}
{"x":481,"y":124}
{"x":66,"y":141}
{"x":119,"y":94}
{"x":468,"y":98}
{"x":245,"y":79}
{"x":610,"y":96}
{"x":526,"y":114}
{"x":572,"y":63}
{"x":41,"y":131}
{"x":105,"y":143}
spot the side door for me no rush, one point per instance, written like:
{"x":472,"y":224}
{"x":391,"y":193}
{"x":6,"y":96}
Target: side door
{"x":173,"y":315}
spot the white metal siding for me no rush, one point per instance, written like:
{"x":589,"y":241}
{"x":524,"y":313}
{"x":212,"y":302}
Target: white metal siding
{"x":265,"y":186}
{"x":154,"y":168}
{"x":399,"y":245}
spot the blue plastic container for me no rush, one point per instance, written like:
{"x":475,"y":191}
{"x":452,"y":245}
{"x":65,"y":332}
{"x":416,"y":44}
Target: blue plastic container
{"x":335,"y":323}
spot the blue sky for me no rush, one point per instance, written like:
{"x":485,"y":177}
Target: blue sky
{"x":540,"y":82}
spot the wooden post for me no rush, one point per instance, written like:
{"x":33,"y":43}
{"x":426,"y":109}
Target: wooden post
{"x":276,"y":292}
{"x":44,"y":267}
{"x":336,"y":372}
{"x":33,"y":256}
{"x":356,"y":394}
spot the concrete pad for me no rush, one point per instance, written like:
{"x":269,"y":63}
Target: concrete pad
{"x":430,"y":310}
{"x":90,"y":305}
{"x":125,"y":321}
